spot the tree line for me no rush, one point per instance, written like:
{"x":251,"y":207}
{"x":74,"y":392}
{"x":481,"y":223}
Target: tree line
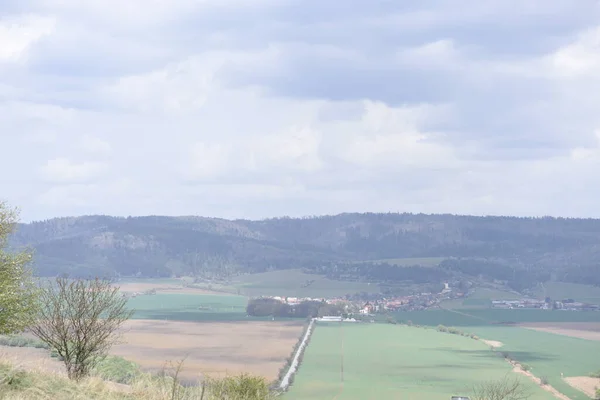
{"x":269,"y":307}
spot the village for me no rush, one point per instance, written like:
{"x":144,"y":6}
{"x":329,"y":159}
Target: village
{"x":427,"y":300}
{"x":414,"y":302}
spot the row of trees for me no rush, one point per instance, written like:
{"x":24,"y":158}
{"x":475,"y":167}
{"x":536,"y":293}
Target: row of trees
{"x":268,"y":307}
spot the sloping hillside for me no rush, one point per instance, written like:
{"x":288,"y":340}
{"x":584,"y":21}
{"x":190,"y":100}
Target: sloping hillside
{"x":345,"y":246}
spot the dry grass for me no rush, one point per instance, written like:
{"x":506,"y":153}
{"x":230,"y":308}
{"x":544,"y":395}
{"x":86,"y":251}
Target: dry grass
{"x":19,"y":384}
{"x":582,"y":330}
{"x":215,"y":349}
{"x":585,"y":384}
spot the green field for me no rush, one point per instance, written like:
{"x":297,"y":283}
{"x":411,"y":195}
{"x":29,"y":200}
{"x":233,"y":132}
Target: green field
{"x":481,"y":298}
{"x":395,"y":362}
{"x":479,"y":317}
{"x":561,"y":291}
{"x":548,"y":354}
{"x":411,"y":261}
{"x":295,"y":283}
{"x":189,"y":307}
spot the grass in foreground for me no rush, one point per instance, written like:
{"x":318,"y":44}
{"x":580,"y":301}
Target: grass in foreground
{"x":390,"y":361}
{"x":16,"y":384}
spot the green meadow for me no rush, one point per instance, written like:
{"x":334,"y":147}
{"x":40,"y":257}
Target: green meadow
{"x":411,"y":261}
{"x":547,"y":354}
{"x":295,"y":283}
{"x":562,"y":290}
{"x":384,"y":361}
{"x":189,"y":307}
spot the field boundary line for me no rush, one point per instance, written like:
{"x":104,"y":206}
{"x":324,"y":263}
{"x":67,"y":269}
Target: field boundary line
{"x":466,"y":315}
{"x":285,"y":381}
{"x":518,"y":368}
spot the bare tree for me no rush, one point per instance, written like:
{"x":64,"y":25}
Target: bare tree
{"x":80,"y":319}
{"x":504,"y":389}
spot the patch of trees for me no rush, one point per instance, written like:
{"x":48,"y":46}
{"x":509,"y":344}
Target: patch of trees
{"x":268,"y":307}
{"x":516,"y":277}
{"x":381,"y":272}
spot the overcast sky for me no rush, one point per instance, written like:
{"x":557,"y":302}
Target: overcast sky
{"x":259,"y":108}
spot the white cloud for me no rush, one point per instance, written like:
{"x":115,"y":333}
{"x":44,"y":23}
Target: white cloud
{"x":62,"y":170}
{"x":18,"y":34}
{"x":580,"y":58}
{"x":95,"y":145}
{"x":249,"y":108}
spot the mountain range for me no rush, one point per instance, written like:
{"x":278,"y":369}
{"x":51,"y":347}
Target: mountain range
{"x":517,"y":251}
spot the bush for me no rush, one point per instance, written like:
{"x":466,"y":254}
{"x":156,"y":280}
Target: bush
{"x":598,"y":393}
{"x":544,"y":380}
{"x":116,"y":369}
{"x":525,"y":367}
{"x":595,"y":374}
{"x":244,"y":386}
{"x":20,"y":341}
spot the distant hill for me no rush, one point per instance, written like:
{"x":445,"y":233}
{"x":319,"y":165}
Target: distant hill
{"x":516,"y":251}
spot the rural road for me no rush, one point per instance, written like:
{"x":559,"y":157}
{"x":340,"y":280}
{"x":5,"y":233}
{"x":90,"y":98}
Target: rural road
{"x":285,"y":382}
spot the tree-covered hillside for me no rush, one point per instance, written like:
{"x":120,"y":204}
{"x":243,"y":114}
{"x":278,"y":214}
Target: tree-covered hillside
{"x":518,"y":251}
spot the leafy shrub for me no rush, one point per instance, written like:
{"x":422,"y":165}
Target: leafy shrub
{"x":116,"y":369}
{"x":525,"y":367}
{"x":544,"y":380}
{"x":21,"y":341}
{"x":595,"y":374}
{"x":243,"y":386}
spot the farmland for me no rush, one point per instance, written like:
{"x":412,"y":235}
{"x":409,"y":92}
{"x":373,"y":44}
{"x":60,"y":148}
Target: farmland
{"x":296,"y":283}
{"x":563,"y":290}
{"x":189,"y":307}
{"x":211,"y":348}
{"x":549,"y":354}
{"x":409,"y":262}
{"x":392,"y":361}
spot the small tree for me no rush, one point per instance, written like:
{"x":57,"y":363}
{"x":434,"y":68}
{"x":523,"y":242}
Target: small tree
{"x":80,"y":319}
{"x":18,"y":295}
{"x":504,"y":389}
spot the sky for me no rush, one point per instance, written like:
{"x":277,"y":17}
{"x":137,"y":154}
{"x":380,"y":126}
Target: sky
{"x":263,"y":108}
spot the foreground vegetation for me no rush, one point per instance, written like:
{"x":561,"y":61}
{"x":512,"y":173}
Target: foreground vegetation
{"x":17,"y":384}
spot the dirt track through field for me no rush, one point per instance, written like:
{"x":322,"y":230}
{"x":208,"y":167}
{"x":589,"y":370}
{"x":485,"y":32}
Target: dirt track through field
{"x":519,"y":370}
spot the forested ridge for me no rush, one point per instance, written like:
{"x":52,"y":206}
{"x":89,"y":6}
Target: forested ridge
{"x":520,"y":251}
